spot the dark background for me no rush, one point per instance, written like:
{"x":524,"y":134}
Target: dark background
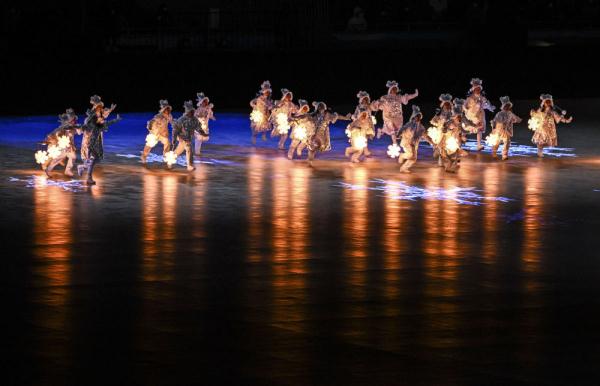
{"x":56,"y":54}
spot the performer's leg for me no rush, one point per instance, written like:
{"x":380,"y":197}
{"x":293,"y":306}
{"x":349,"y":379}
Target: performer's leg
{"x":300,"y":148}
{"x":52,"y":164}
{"x":356,"y":155}
{"x":479,"y":145}
{"x":145,"y":153}
{"x":349,"y":150}
{"x":506,"y":148}
{"x":540,"y":151}
{"x":293,"y":147}
{"x":282,"y":140}
{"x":166,"y":145}
{"x":495,"y":150}
{"x":366,"y":151}
{"x":71,"y":160}
{"x":89,"y":169}
{"x":189,"y":156}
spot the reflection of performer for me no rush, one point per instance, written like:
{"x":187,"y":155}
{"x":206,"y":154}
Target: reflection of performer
{"x":184,"y":130}
{"x":67,"y":129}
{"x":261,"y":110}
{"x":280,"y":115}
{"x":502,"y":127}
{"x":158,"y":127}
{"x":391,"y":105}
{"x":94,"y":127}
{"x":410,"y":136}
{"x":475,"y":106}
{"x":204,"y":113}
{"x":545,"y":134}
{"x":302,"y":129}
{"x":320,"y":141}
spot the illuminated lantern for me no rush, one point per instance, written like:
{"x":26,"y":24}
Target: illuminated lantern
{"x":435,"y":133}
{"x":393,"y":151}
{"x":151,"y":140}
{"x":63,"y":142}
{"x":360,"y":142}
{"x":452,"y":145}
{"x":534,"y":123}
{"x":53,"y":151}
{"x":282,"y":123}
{"x":300,"y":133}
{"x":170,"y":158}
{"x":492,"y":139}
{"x":257,"y":117}
{"x":41,"y":157}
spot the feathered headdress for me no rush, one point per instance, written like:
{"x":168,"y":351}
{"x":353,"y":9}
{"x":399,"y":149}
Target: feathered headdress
{"x":200,"y":98}
{"x":459,"y":102}
{"x":363,"y":94}
{"x":505,"y":100}
{"x":546,"y":97}
{"x":302,"y":103}
{"x":285,"y":91}
{"x":95,"y":100}
{"x":391,"y":84}
{"x":416,"y":110}
{"x":188,"y":106}
{"x":164,"y":105}
{"x":67,"y":116}
{"x":445,"y":98}
{"x":476,"y":82}
{"x":265,"y":86}
{"x":457,"y":110}
{"x":317,"y":104}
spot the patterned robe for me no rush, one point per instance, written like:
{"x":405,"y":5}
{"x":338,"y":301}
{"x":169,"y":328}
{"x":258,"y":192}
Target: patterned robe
{"x":261,"y":106}
{"x":546,"y":134}
{"x":474,"y":108}
{"x":391,"y":106}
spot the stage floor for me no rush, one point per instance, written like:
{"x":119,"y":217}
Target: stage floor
{"x":257,"y":269}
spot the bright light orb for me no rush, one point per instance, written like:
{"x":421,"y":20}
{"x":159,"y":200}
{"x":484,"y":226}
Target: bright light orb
{"x":393,"y":151}
{"x":281,"y":120}
{"x":435,"y":133}
{"x":492,"y":139}
{"x":360,"y":142}
{"x":452,"y":145}
{"x":534,"y":123}
{"x":257,"y":117}
{"x":54,"y":151}
{"x":41,"y":157}
{"x":300,"y":133}
{"x":170,"y":158}
{"x":63,"y":142}
{"x":151,"y":140}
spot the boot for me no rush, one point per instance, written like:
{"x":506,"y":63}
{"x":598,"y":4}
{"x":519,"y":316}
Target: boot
{"x":89,"y":170}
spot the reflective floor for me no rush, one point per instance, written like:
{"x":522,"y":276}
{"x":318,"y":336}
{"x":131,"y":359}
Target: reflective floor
{"x":258,"y":270}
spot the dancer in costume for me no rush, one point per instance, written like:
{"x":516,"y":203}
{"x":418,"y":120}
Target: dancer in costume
{"x":95,"y":101}
{"x":391,"y":106}
{"x":410,"y":135}
{"x":61,"y":143}
{"x":302,"y":129}
{"x":475,"y":106}
{"x":358,"y":131}
{"x":184,"y":130}
{"x":543,"y":121}
{"x":261,"y":111}
{"x":204,"y":113}
{"x":158,"y":128}
{"x":320,"y":141}
{"x":94,"y":127}
{"x":436,"y":131}
{"x":280,"y":115}
{"x":365,"y":105}
{"x":502,"y":128}
{"x":451,"y":141}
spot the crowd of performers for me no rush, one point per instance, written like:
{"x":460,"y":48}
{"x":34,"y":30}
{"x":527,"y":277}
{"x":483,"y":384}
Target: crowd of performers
{"x":309,"y":128}
{"x":453,"y":121}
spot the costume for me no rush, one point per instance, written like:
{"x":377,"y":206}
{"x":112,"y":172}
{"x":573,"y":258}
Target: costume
{"x":320,"y":141}
{"x":204,"y":113}
{"x":261,"y":111}
{"x":435,"y":133}
{"x":474,"y":108}
{"x":61,"y":143}
{"x":502,"y":128}
{"x":358,"y":131}
{"x":543,"y":121}
{"x":95,"y":101}
{"x":302,"y":129}
{"x":391,"y":106}
{"x":184,"y":130}
{"x":410,"y":135}
{"x":158,"y":128}
{"x":452,"y":138}
{"x":93,"y":128}
{"x":280,"y":115}
{"x":365,"y":105}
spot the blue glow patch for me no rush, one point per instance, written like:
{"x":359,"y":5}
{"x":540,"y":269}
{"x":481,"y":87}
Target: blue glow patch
{"x":517,"y":150}
{"x":43,"y":181}
{"x":157,"y":158}
{"x":399,"y":190}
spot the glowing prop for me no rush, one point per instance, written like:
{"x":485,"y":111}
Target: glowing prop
{"x":534,"y":122}
{"x":348,"y":132}
{"x":360,"y":142}
{"x":63,"y":142}
{"x":452,"y":145}
{"x":151,"y":140}
{"x":374,"y":120}
{"x":282,"y":123}
{"x":300,"y":133}
{"x":257,"y":117}
{"x":393,"y":151}
{"x":492,"y":139}
{"x":41,"y":157}
{"x":170,"y":158}
{"x":53,"y":151}
{"x":435,"y":133}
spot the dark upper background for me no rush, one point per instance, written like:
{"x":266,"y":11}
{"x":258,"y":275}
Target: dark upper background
{"x":56,"y":54}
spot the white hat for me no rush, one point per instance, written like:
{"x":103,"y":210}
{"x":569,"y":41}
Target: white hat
{"x":505,"y":100}
{"x":363,"y":94}
{"x":302,"y":103}
{"x":391,"y":84}
{"x":164,"y":104}
{"x":317,"y":104}
{"x":200,"y":97}
{"x":416,"y":110}
{"x":285,"y":91}
{"x":546,"y":97}
{"x":445,"y":98}
{"x":476,"y":82}
{"x":265,"y":86}
{"x":95,"y":100}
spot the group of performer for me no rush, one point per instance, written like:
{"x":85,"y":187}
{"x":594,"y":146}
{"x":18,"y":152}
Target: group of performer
{"x":310,"y":128}
{"x":453,"y":121}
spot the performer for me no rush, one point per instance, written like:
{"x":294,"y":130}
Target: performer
{"x":204,"y":113}
{"x":443,"y":114}
{"x":280,"y":115}
{"x":357,"y":131}
{"x":546,"y":119}
{"x":184,"y":130}
{"x":391,"y":106}
{"x":502,"y":128}
{"x":475,"y":106}
{"x":451,"y":140}
{"x":62,"y":138}
{"x":95,"y":101}
{"x":410,"y":136}
{"x":158,"y":128}
{"x":302,"y":129}
{"x":320,"y":141}
{"x":365,"y":105}
{"x":94,"y":127}
{"x":261,"y":110}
